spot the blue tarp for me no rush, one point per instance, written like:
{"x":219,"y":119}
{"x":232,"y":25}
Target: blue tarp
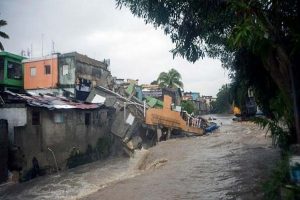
{"x":212,"y":126}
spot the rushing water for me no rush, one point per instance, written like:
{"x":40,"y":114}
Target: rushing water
{"x":228,"y":164}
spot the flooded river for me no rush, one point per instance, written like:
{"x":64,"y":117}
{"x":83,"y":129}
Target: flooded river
{"x":228,"y":164}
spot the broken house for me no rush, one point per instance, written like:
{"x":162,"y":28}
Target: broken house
{"x":55,"y":124}
{"x":78,"y":74}
{"x":11,"y":71}
{"x":128,"y":119}
{"x":170,"y":119}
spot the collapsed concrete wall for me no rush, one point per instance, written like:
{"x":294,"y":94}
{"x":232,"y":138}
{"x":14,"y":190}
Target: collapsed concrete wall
{"x":128,"y":119}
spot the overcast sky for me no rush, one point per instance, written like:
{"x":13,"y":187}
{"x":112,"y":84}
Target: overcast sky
{"x":99,"y":30}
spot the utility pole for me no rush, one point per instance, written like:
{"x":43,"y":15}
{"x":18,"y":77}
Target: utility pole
{"x":53,"y":51}
{"x":31,"y":51}
{"x":42,"y":44}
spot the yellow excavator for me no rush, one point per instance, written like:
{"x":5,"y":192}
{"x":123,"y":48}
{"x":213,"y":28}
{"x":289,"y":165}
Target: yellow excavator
{"x":236,"y":111}
{"x":249,"y":109}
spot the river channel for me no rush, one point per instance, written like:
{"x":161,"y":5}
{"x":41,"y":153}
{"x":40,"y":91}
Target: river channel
{"x":230,"y":163}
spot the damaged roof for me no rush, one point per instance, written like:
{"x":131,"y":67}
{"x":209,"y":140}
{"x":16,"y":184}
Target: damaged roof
{"x":85,"y":59}
{"x":53,"y":102}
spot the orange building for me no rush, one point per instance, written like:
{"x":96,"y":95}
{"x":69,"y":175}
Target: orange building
{"x":41,"y":73}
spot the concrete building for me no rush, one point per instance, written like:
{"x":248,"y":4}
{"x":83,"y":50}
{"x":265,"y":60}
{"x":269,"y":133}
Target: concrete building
{"x":78,"y":74}
{"x":208,"y":100}
{"x":174,"y":93}
{"x":56,"y":123}
{"x":198,"y":103}
{"x":41,"y":73}
{"x":195,"y":96}
{"x":11,"y":71}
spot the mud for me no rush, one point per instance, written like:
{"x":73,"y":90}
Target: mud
{"x":231,"y":163}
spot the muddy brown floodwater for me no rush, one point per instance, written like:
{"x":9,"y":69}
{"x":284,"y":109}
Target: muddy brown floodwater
{"x":231,"y":163}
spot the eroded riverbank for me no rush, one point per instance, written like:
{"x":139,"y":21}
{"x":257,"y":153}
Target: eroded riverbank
{"x":229,"y":164}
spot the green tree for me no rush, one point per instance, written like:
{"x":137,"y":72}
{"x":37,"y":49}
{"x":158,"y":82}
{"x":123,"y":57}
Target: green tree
{"x":268,"y":30}
{"x":2,"y":34}
{"x":267,"y":94}
{"x":154,"y":82}
{"x":188,"y":106}
{"x":170,"y":79}
{"x":223,"y":101}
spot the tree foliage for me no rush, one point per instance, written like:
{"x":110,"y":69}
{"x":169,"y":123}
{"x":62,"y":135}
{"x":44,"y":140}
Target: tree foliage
{"x":154,"y":82}
{"x":264,"y":32}
{"x":2,"y":34}
{"x":223,"y":101}
{"x":188,"y":106}
{"x":170,"y":79}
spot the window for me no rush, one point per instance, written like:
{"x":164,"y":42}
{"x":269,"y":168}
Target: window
{"x":65,"y":70}
{"x":58,"y":118}
{"x":35,"y":118}
{"x":32,"y":71}
{"x":47,"y":69}
{"x":87,"y":118}
{"x":1,"y":68}
{"x":14,"y":70}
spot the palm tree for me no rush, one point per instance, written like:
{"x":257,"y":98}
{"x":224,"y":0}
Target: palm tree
{"x":170,"y":79}
{"x":2,"y":34}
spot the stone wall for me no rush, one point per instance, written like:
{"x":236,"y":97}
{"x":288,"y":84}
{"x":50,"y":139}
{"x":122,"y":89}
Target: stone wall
{"x":61,"y":131}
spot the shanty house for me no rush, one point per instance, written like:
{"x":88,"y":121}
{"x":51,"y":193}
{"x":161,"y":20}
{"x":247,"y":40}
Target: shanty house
{"x":59,"y":125}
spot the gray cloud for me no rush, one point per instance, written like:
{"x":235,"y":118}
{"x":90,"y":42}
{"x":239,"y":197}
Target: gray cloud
{"x":96,"y":28}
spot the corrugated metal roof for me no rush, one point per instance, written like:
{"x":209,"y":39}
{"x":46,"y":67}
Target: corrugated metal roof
{"x":52,"y":102}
